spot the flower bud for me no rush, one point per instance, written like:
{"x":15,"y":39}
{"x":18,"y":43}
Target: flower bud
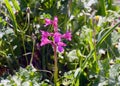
{"x":28,"y":10}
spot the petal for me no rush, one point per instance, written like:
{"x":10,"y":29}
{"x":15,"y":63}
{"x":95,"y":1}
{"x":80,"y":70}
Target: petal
{"x":57,"y":34}
{"x":47,"y":22}
{"x":61,"y":44}
{"x":55,"y":19}
{"x":45,"y":41}
{"x":45,"y":33}
{"x":60,"y":49}
{"x":67,"y":36}
{"x":57,"y":37}
{"x":55,"y":24}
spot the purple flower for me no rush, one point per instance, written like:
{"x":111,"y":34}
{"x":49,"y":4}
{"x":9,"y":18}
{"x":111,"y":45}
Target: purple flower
{"x":47,"y":22}
{"x":57,"y":40}
{"x":67,"y":36}
{"x":54,"y":23}
{"x":44,"y":39}
{"x":60,"y":46}
{"x":60,"y":49}
{"x":57,"y":37}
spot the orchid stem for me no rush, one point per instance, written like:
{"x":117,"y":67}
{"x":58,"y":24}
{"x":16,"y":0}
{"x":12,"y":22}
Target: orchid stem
{"x":56,"y":66}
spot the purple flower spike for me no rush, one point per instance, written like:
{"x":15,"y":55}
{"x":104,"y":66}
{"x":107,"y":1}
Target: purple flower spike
{"x":57,"y":37}
{"x":67,"y":36}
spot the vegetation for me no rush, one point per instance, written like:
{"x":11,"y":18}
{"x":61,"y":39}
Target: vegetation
{"x":91,"y":54}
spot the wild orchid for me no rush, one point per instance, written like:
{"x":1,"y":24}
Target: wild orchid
{"x":56,"y":42}
{"x":57,"y":37}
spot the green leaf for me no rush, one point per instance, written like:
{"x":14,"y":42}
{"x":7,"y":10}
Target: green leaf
{"x":15,"y":3}
{"x":102,"y":8}
{"x":12,"y":16}
{"x":106,"y":34}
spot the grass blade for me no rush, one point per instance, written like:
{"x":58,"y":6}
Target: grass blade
{"x":102,"y":7}
{"x":15,"y":3}
{"x":11,"y":13}
{"x":106,"y":34}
